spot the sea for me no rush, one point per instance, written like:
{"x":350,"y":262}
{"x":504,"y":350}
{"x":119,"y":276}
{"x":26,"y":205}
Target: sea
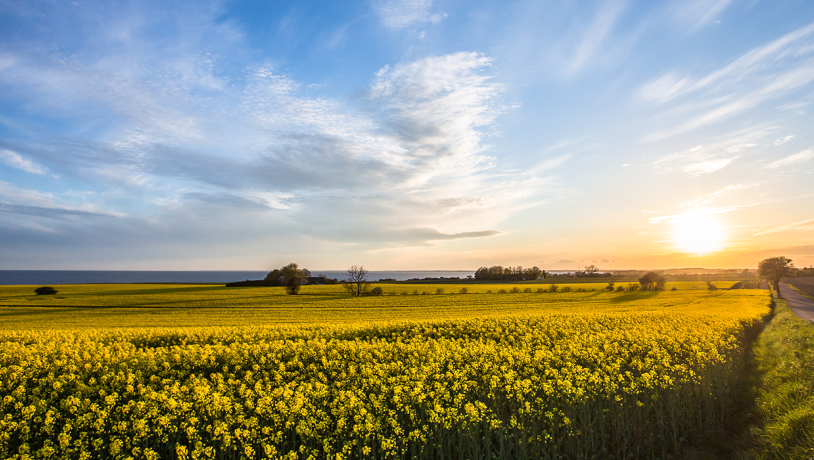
{"x":46,"y":277}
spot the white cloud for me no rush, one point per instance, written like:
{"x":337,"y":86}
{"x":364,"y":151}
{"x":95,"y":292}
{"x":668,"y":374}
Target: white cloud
{"x":398,"y":14}
{"x":783,"y":140}
{"x":14,"y":159}
{"x":696,"y":13}
{"x":664,"y":88}
{"x":800,"y":157}
{"x":708,"y":166}
{"x":412,"y":145}
{"x":437,"y":106}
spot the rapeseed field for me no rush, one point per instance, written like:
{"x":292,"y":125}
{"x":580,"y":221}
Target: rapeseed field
{"x":525,"y":375}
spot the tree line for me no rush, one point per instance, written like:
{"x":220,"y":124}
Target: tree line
{"x":497,"y":272}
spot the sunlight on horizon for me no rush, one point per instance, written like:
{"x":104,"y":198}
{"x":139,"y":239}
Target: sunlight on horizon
{"x":698,"y":233}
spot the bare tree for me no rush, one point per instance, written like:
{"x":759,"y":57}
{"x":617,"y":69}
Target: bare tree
{"x":591,"y":269}
{"x":775,"y":270}
{"x":356,"y":280}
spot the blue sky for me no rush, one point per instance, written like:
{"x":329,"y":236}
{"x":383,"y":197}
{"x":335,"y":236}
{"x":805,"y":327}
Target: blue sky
{"x":405,"y":134}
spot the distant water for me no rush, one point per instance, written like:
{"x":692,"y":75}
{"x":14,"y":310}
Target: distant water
{"x":43,"y":277}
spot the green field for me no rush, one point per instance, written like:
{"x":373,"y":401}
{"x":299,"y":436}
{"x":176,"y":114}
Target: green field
{"x":161,"y":305}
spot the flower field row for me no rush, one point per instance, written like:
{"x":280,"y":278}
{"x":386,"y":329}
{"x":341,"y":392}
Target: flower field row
{"x":563,"y":384}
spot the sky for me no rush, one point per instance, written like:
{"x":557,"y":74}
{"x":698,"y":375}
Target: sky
{"x":405,"y":134}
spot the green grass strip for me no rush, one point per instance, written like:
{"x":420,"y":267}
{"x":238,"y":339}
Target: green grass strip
{"x":783,"y":427}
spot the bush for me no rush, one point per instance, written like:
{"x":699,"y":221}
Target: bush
{"x":488,"y":291}
{"x":540,"y":290}
{"x":376,"y":291}
{"x":566,"y":289}
{"x":439,"y":291}
{"x":515,"y":290}
{"x":633,"y":286}
{"x":553,"y":288}
{"x":463,"y":290}
{"x":711,"y":286}
{"x":609,"y":287}
{"x":620,"y":288}
{"x":527,"y":290}
{"x":502,"y":291}
{"x":738,"y":285}
{"x":45,"y":290}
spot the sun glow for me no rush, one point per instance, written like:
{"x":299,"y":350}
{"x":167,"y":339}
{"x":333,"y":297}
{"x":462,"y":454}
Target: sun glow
{"x":698,"y":233}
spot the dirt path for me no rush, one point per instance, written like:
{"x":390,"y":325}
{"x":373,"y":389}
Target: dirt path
{"x":801,"y":306}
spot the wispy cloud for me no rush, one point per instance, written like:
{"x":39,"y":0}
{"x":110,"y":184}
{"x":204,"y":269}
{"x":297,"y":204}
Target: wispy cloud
{"x":596,"y":34}
{"x":800,"y":157}
{"x":764,"y":73}
{"x":398,"y":14}
{"x":710,"y":198}
{"x":696,"y":13}
{"x":783,"y":140}
{"x":594,"y":39}
{"x":716,"y":154}
{"x":803,"y":225}
{"x":14,"y":160}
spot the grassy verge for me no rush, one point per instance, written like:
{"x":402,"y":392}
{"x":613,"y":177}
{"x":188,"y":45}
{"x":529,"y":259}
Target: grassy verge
{"x":783,"y":418}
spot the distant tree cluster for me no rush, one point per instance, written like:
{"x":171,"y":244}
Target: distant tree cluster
{"x":591,"y":271}
{"x":652,"y":281}
{"x":291,"y":277}
{"x":805,"y":272}
{"x":509,"y":273}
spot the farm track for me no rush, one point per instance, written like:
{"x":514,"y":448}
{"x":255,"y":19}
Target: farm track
{"x":799,"y":305}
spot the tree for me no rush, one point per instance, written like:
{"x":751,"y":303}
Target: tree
{"x":292,"y":277}
{"x":45,"y":290}
{"x":775,"y":270}
{"x":533,"y":273}
{"x":273,"y":277}
{"x":591,"y":269}
{"x":652,"y":281}
{"x":356,"y":280}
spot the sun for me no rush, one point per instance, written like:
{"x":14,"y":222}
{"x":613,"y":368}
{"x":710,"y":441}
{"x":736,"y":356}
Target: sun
{"x":698,"y":233}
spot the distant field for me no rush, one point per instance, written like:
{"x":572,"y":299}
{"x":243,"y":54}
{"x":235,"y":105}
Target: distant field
{"x":804,"y":284}
{"x":139,"y":305}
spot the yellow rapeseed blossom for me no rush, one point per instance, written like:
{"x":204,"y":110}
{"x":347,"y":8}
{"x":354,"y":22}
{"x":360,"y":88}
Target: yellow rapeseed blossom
{"x":579,"y":382}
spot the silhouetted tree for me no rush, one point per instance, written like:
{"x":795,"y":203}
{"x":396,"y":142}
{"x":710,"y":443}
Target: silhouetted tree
{"x":775,"y":270}
{"x":45,"y":290}
{"x":652,"y":281}
{"x":356,"y":280}
{"x":591,"y":269}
